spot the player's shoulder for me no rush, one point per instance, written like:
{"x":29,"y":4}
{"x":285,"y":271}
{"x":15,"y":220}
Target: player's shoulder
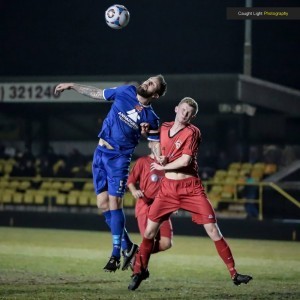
{"x":139,"y":162}
{"x":142,"y":158}
{"x":167,"y":125}
{"x":194,"y":129}
{"x":127,"y":88}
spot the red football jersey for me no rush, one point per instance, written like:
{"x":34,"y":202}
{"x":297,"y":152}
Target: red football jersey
{"x":149,"y":181}
{"x":185,"y":141}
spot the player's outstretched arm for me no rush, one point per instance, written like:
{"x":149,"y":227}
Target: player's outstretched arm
{"x":178,"y":163}
{"x":89,"y":91}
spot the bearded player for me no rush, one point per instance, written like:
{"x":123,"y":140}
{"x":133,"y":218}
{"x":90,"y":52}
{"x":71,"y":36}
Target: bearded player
{"x":130,"y":116}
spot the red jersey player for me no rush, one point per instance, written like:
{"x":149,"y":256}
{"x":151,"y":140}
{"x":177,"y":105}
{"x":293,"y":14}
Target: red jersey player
{"x":144,"y":184}
{"x":181,"y":188}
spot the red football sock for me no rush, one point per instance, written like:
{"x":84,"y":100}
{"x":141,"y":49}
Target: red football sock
{"x":143,"y":256}
{"x":225,"y":253}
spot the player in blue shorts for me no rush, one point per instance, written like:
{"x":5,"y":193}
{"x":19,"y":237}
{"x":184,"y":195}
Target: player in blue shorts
{"x":131,"y":115}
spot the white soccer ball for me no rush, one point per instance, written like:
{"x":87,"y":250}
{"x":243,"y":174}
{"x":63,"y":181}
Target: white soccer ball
{"x":117,"y":16}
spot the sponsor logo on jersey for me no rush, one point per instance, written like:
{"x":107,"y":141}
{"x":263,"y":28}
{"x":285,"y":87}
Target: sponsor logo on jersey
{"x":178,"y":144}
{"x":130,"y":119}
{"x":133,"y":115}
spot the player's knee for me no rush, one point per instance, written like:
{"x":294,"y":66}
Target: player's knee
{"x":102,"y":202}
{"x":213,"y":231}
{"x":165,"y":244}
{"x":149,"y":234}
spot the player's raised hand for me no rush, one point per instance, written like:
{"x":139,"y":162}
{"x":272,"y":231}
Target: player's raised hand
{"x":162,"y":160}
{"x":156,"y":166}
{"x":144,"y":128}
{"x":61,"y":87}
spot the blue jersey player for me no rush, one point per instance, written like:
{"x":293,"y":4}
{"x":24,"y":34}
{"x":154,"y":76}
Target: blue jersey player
{"x":130,"y":116}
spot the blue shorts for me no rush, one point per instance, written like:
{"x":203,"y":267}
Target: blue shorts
{"x":110,"y":171}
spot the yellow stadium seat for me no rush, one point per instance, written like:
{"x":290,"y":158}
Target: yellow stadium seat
{"x":217,"y":179}
{"x":24,"y":185}
{"x":7,"y":169}
{"x":226,"y":195}
{"x":233,"y":173}
{"x":29,"y":196}
{"x":4,"y":184}
{"x":235,"y":166}
{"x":72,"y":197}
{"x":17,"y":198}
{"x":217,"y":189}
{"x":61,"y":199}
{"x":39,"y":197}
{"x":14,"y":184}
{"x":88,"y":186}
{"x":56,"y":185}
{"x":230,"y":179}
{"x":7,"y":195}
{"x":246,"y":166}
{"x":214,"y":195}
{"x":67,"y":186}
{"x":259,"y":166}
{"x":214,"y":199}
{"x":45,"y":185}
{"x":84,"y":199}
{"x":221,"y":173}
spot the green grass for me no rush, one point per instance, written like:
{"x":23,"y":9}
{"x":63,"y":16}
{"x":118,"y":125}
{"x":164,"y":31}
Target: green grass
{"x":65,"y":264}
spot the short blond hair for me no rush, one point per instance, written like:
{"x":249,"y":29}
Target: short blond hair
{"x":191,"y":102}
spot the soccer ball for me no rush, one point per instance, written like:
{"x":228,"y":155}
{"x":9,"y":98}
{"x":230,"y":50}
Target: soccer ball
{"x":117,"y":16}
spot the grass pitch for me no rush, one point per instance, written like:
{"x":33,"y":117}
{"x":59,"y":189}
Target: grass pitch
{"x":65,"y":264}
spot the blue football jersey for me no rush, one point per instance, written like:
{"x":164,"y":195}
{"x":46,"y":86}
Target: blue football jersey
{"x":121,"y":128}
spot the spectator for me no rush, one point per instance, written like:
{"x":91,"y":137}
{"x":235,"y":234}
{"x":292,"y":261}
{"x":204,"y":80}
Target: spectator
{"x":250,"y":193}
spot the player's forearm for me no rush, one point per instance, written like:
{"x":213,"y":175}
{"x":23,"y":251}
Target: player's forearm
{"x":134,"y":191}
{"x":155,"y":148}
{"x":180,"y":162}
{"x":131,"y":188}
{"x":88,"y":91}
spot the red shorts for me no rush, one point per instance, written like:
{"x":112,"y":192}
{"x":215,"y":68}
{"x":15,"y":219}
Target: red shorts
{"x":187,"y":194}
{"x":141,"y":213}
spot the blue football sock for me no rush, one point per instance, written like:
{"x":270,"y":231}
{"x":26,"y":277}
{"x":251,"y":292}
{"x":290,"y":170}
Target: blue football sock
{"x":107,"y":216}
{"x":117,"y":229}
{"x":126,"y":241}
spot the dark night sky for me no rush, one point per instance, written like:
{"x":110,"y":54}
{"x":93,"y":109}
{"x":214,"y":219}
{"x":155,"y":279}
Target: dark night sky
{"x":60,"y":37}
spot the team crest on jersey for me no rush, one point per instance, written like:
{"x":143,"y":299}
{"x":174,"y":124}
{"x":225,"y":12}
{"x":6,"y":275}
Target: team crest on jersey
{"x":178,"y":144}
{"x":154,"y":178}
{"x":133,"y":114}
{"x":139,"y":108}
